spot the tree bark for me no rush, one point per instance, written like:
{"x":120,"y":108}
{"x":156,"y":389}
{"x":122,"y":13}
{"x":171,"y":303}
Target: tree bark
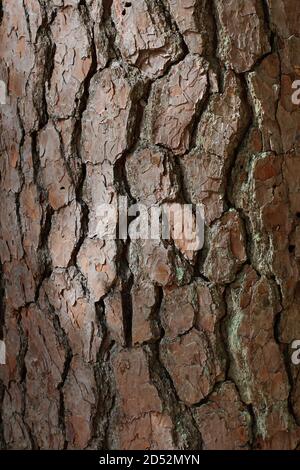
{"x":146,"y":344}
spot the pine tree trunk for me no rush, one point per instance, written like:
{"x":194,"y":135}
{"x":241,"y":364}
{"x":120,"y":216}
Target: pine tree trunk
{"x":146,"y":344}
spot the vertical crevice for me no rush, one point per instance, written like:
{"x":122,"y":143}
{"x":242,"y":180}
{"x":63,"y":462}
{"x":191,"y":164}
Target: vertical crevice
{"x":67,"y":365}
{"x":105,"y":384}
{"x":21,"y":364}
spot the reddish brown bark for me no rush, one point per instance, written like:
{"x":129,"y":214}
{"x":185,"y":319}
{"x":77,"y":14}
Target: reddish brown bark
{"x":141,"y":344}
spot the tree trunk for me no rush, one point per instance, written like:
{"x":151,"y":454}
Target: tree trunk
{"x":131,"y":343}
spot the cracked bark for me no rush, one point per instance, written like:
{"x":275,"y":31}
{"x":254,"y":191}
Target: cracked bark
{"x":136,"y":344}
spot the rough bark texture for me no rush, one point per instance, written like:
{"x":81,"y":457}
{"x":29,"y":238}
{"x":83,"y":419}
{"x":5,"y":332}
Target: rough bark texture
{"x":136,"y":344}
